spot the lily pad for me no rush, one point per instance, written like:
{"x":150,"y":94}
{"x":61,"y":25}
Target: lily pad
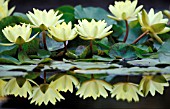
{"x":92,"y":13}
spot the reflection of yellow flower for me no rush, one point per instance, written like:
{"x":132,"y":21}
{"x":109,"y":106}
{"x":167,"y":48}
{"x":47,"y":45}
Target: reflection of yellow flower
{"x":62,"y":32}
{"x":44,"y":19}
{"x":18,"y":87}
{"x":4,"y":12}
{"x":44,"y":93}
{"x":152,"y":84}
{"x":93,"y":30}
{"x":2,"y":85}
{"x":18,"y":34}
{"x":94,"y":88}
{"x":65,"y":83}
{"x":124,"y":10}
{"x":126,"y":91}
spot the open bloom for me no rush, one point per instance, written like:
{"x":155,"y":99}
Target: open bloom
{"x":93,"y":30}
{"x":153,"y":22}
{"x":94,"y":88}
{"x":65,"y":83}
{"x":62,"y":32}
{"x":18,"y":87}
{"x":44,"y":19}
{"x":124,"y":10}
{"x":2,"y":85}
{"x":18,"y":34}
{"x":44,"y":93}
{"x":4,"y":11}
{"x":126,"y":91}
{"x":152,"y":84}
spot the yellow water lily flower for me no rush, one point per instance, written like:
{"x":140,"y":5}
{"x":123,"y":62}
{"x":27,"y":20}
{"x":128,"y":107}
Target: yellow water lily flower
{"x":94,"y":88}
{"x":18,"y":34}
{"x":44,"y":19}
{"x":93,"y":30}
{"x":126,"y":91}
{"x":65,"y":83}
{"x":18,"y":87}
{"x":152,"y":84}
{"x":2,"y":85}
{"x":44,"y":93}
{"x":124,"y":10}
{"x":167,"y":13}
{"x":62,"y":32}
{"x":154,"y":23}
{"x":4,"y":11}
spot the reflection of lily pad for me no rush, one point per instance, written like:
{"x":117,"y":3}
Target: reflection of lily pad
{"x":11,"y":73}
{"x":145,"y":62}
{"x":127,"y":71}
{"x":82,"y":65}
{"x":15,"y":67}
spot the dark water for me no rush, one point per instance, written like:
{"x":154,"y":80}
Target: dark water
{"x":27,"y":5}
{"x":72,"y":101}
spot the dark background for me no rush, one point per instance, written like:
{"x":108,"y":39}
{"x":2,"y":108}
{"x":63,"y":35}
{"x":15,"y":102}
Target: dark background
{"x":27,"y":5}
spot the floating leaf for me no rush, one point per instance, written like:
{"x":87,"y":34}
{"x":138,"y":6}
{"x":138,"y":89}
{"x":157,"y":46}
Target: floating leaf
{"x":5,"y":59}
{"x":53,"y":45}
{"x":68,"y":13}
{"x":31,"y":47}
{"x":43,"y":53}
{"x":92,"y":13}
{"x":164,"y":52}
{"x":122,"y":50}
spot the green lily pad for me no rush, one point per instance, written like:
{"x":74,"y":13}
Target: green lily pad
{"x":164,"y":52}
{"x":5,"y":59}
{"x":122,"y":50}
{"x":92,"y":13}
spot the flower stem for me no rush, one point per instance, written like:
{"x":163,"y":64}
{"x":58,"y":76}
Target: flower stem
{"x":20,"y":48}
{"x":65,"y":46}
{"x":44,"y":77}
{"x":92,"y":76}
{"x":157,"y":38}
{"x":44,"y":39}
{"x":141,"y":36}
{"x":91,"y":47}
{"x":127,"y":31}
{"x":128,"y":78}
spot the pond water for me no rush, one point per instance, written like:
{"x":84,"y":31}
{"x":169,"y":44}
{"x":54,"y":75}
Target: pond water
{"x":158,"y":101}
